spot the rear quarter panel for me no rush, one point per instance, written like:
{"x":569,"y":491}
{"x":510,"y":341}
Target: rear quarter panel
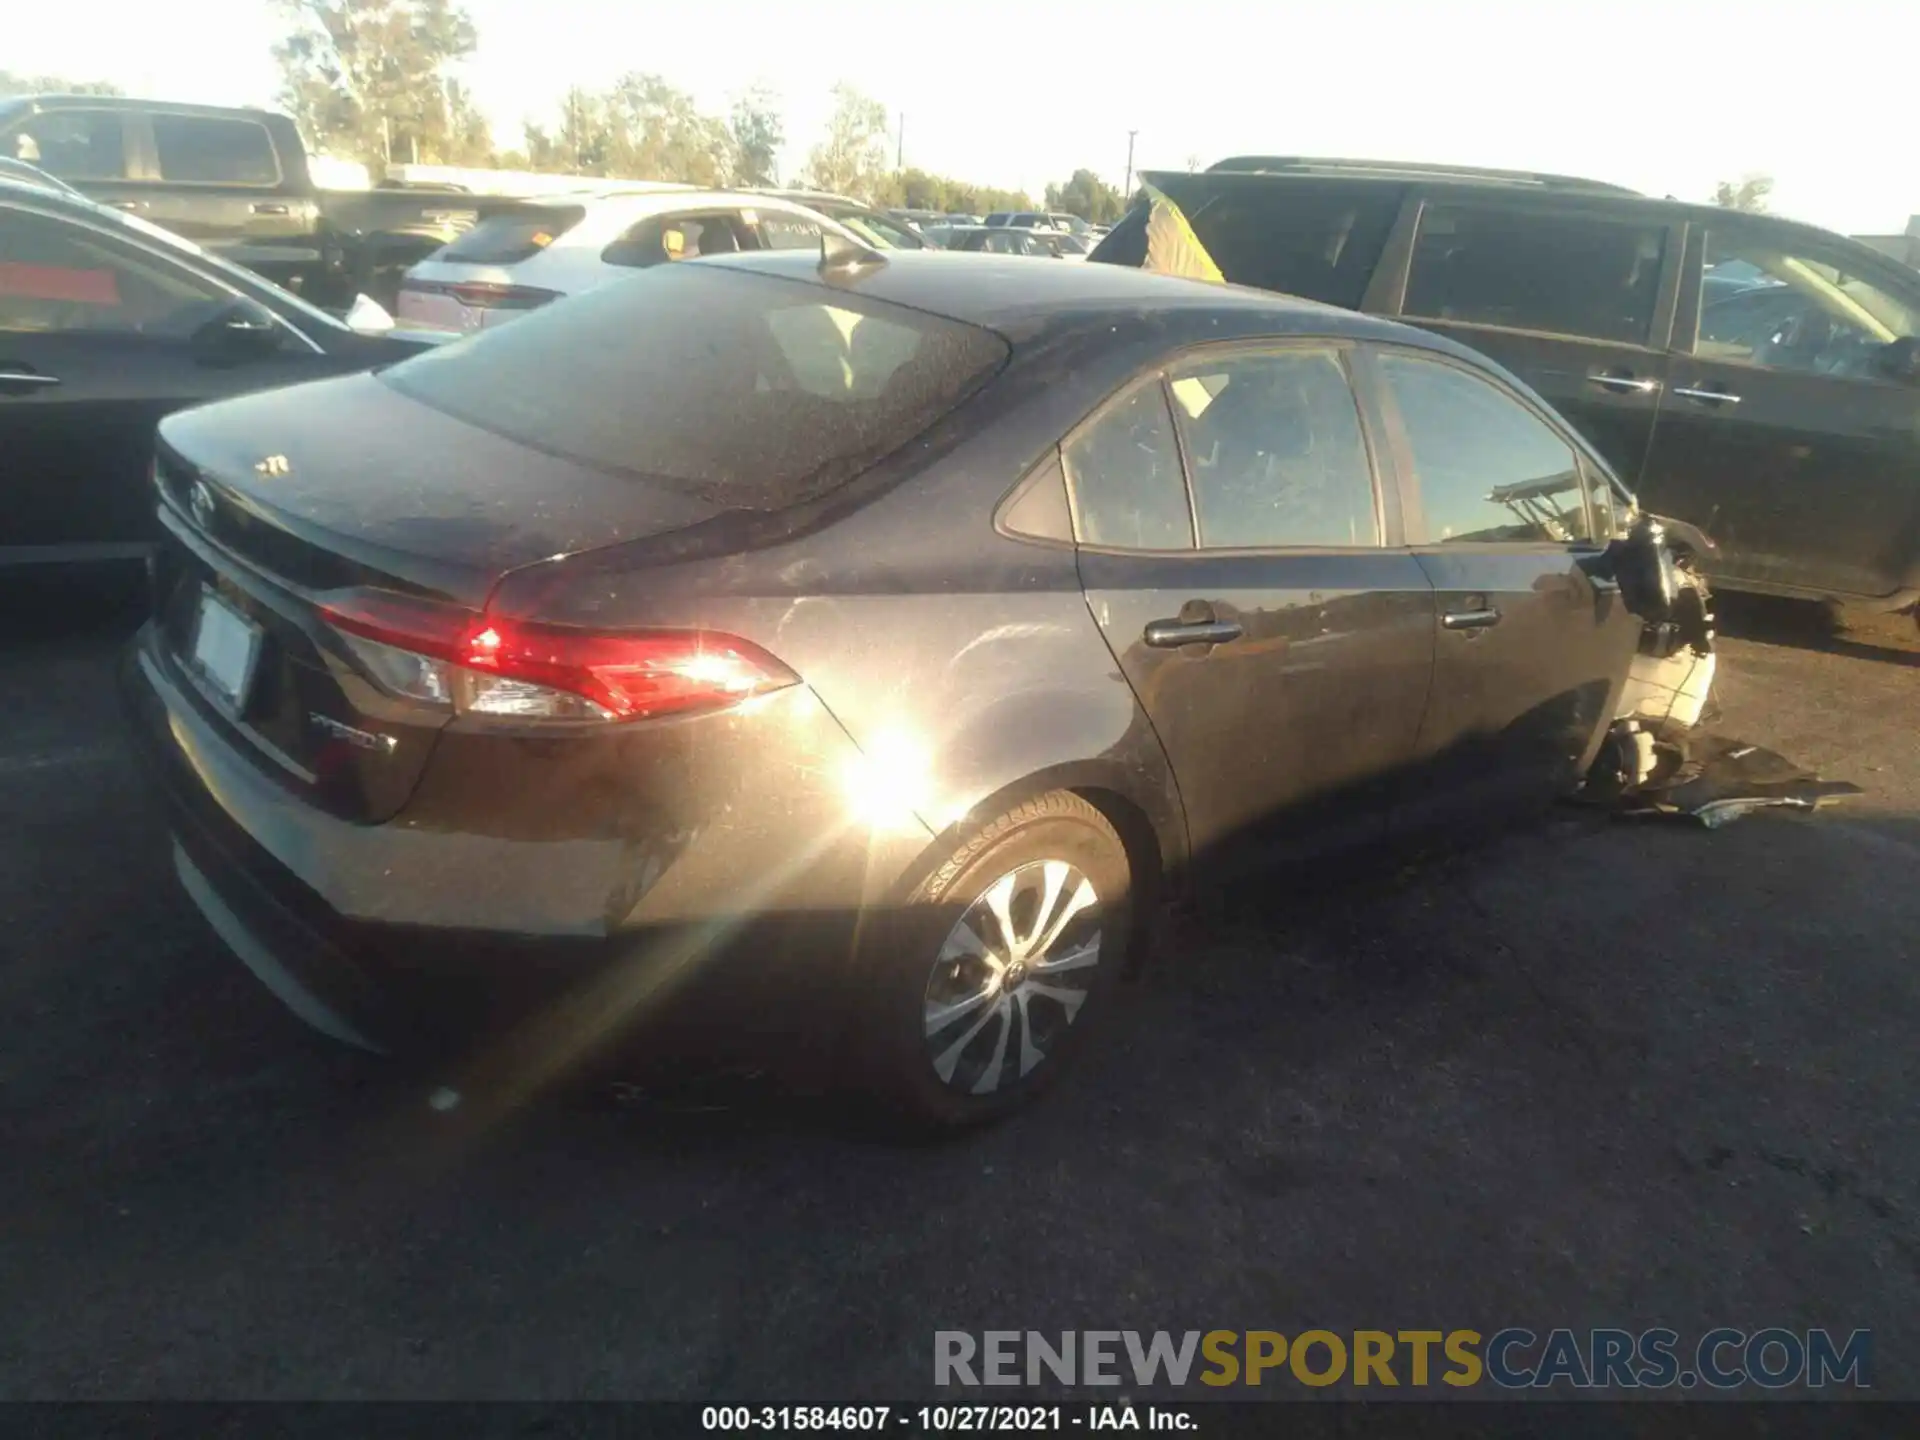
{"x":963,"y":663}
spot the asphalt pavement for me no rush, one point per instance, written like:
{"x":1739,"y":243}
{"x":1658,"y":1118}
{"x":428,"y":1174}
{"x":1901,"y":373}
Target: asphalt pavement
{"x":1596,"y":1073}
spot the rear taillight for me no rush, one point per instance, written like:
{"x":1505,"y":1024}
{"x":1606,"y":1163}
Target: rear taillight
{"x":483,"y":294}
{"x":480,"y":664}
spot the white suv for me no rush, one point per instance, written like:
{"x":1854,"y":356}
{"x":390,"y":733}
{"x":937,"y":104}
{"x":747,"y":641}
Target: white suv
{"x":517,"y":260}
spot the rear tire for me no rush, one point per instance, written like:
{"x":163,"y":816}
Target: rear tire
{"x":961,"y":1023}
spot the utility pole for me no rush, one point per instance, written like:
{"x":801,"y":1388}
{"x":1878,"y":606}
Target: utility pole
{"x":900,"y":152}
{"x":1126,"y":190}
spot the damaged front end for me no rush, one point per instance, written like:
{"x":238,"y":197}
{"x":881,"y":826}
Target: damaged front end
{"x":1654,"y":762}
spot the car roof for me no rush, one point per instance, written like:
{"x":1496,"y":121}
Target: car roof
{"x":1012,"y":293}
{"x":1495,"y":186}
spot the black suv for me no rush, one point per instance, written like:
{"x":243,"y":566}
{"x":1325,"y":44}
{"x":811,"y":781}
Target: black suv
{"x":1757,"y":377}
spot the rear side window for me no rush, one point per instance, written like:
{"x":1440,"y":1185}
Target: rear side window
{"x":519,"y":234}
{"x":1124,"y":475}
{"x":1489,"y":469}
{"x":677,"y":237}
{"x":1317,"y":242}
{"x":1521,"y":269}
{"x":1278,"y":457}
{"x":72,"y":144}
{"x":209,"y":151}
{"x":747,"y":391}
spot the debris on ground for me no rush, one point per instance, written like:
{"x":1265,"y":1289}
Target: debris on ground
{"x":1670,"y":771}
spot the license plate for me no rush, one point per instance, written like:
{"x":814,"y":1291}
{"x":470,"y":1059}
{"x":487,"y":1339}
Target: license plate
{"x":225,"y":646}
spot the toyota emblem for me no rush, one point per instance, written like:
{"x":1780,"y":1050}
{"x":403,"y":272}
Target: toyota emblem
{"x":200,"y":500}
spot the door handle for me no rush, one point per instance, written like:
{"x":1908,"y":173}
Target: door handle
{"x":1170,"y":634}
{"x":124,"y":204}
{"x":1470,"y":619}
{"x":1626,"y":384}
{"x":1709,"y":397}
{"x":271,"y":208}
{"x":13,"y":378}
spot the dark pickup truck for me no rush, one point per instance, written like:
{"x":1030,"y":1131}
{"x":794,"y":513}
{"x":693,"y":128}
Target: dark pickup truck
{"x":237,"y":183}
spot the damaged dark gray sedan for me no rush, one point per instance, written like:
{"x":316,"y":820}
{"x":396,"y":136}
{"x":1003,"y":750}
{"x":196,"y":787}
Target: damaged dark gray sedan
{"x":866,"y":643}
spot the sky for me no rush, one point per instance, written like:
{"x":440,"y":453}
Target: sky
{"x":1666,"y":98}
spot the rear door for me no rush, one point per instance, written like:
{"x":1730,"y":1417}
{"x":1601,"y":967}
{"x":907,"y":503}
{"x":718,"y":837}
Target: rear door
{"x":1532,"y":649}
{"x":94,"y":348}
{"x":1243,"y":561}
{"x":1783,"y":436}
{"x":1576,"y":299}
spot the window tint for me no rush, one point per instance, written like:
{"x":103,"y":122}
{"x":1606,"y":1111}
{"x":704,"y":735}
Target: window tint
{"x":72,"y":144}
{"x":1488,"y":468}
{"x":57,"y":276}
{"x":1277,"y":453}
{"x":214,"y":152}
{"x":1533,"y":270}
{"x":674,"y":237}
{"x":744,"y":390}
{"x":516,"y":235}
{"x":1790,"y":307}
{"x":1316,"y":242}
{"x":1125,"y":477}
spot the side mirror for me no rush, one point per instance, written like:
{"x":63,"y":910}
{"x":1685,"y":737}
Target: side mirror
{"x":237,"y":333}
{"x":1900,"y":360}
{"x":1643,"y":567}
{"x":367,"y":316}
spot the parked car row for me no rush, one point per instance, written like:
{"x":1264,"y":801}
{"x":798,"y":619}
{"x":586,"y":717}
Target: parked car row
{"x":1757,"y":377}
{"x":239,"y":183}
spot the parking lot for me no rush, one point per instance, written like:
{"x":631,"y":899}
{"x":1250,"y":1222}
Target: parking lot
{"x":1602,"y":1073}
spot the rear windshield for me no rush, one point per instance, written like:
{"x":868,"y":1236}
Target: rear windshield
{"x":519,"y":234}
{"x":748,"y":391}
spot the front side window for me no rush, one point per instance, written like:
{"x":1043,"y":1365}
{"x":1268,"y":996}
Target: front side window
{"x":1278,"y":456}
{"x":1788,"y":306}
{"x":1524,"y":269}
{"x":674,"y":237}
{"x":1124,"y":476}
{"x":60,"y":277}
{"x":1489,"y":469}
{"x":208,"y":151}
{"x":72,"y":144}
{"x":746,"y":391}
{"x":1317,"y":242}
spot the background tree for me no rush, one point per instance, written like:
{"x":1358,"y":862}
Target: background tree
{"x":758,"y":135}
{"x":641,"y":129}
{"x":369,"y":79}
{"x":1088,"y":196}
{"x":12,"y":84}
{"x":1749,"y":193}
{"x":852,"y":159}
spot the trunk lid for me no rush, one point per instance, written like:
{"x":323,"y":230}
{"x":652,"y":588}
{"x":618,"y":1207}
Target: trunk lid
{"x":347,"y":481}
{"x":272,"y":501}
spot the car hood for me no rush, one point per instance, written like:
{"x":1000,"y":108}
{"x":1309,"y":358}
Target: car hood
{"x":352,"y":468}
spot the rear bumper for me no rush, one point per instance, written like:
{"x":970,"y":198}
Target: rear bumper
{"x":455,"y":916}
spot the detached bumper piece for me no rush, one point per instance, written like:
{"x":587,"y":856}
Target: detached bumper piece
{"x":1707,"y":780}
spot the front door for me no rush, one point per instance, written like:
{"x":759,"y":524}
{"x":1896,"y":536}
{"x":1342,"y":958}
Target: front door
{"x":1279,"y":645}
{"x":1532,"y":649}
{"x":1575,"y":301}
{"x":1783,"y":436}
{"x":95,"y":346}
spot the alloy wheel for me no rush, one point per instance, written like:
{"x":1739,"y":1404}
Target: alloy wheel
{"x":1011,"y":976}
